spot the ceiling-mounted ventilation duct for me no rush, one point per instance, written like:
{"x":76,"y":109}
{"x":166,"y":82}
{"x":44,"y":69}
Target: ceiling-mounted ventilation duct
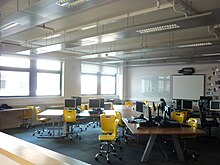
{"x":182,"y":7}
{"x":215,"y":30}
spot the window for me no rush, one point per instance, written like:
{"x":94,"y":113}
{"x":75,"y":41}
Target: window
{"x":48,"y":84}
{"x":20,"y":76}
{"x":107,"y":84}
{"x":14,"y":83}
{"x":98,"y":79}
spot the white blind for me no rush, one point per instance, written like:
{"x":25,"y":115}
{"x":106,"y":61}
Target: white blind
{"x":91,"y":68}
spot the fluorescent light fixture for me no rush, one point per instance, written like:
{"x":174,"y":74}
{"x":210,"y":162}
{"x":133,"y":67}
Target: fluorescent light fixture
{"x":108,"y":54}
{"x":25,"y":52}
{"x":196,"y":45}
{"x":52,"y":36}
{"x":158,"y":28}
{"x":50,"y":48}
{"x":70,"y":3}
{"x":88,"y":27}
{"x":9,"y":26}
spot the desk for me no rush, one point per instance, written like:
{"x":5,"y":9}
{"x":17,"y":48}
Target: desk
{"x":22,"y":152}
{"x":12,"y":110}
{"x":155,"y":131}
{"x":54,"y":114}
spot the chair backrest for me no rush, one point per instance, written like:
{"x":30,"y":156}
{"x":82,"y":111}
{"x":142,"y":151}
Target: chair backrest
{"x":107,"y":122}
{"x":28,"y":113}
{"x":129,"y":104}
{"x":178,"y":116}
{"x":115,"y":128}
{"x":69,"y":116}
{"x":119,"y":117}
{"x":37,"y":111}
{"x":193,"y":122}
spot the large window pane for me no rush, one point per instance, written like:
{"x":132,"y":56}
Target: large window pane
{"x":48,"y":84}
{"x":17,"y":62}
{"x":48,"y":65}
{"x":14,"y":83}
{"x":88,"y":84}
{"x":107,"y":84}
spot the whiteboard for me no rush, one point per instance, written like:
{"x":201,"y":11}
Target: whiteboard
{"x":188,"y":86}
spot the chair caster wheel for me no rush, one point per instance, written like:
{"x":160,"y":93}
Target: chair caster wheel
{"x":96,"y":158}
{"x":108,"y":161}
{"x":120,"y":158}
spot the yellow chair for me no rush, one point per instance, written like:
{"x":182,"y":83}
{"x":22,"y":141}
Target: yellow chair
{"x":178,"y":116}
{"x":107,"y":148}
{"x":69,"y":117}
{"x":121,"y":124}
{"x":42,"y":120}
{"x":129,"y":104}
{"x":106,"y":123}
{"x":27,"y":117}
{"x":193,"y":122}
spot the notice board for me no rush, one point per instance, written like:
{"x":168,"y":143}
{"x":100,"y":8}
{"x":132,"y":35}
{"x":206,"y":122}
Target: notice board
{"x":189,"y":87}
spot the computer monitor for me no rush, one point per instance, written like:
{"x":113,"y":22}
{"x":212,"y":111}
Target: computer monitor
{"x":215,"y":105}
{"x":96,"y":103}
{"x":147,"y":112}
{"x":187,"y":104}
{"x":70,"y":103}
{"x":78,"y":100}
{"x":204,"y":101}
{"x":139,"y":106}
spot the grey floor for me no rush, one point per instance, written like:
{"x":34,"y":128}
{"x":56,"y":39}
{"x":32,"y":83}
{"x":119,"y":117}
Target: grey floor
{"x":85,"y":148}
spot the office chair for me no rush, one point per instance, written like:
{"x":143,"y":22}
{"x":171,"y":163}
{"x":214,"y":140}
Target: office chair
{"x":129,"y":104}
{"x":27,"y":117}
{"x":69,"y":117}
{"x":107,"y":148}
{"x":178,"y":116}
{"x":123,"y":126}
{"x":193,"y":122}
{"x":207,"y":124}
{"x":42,"y":120}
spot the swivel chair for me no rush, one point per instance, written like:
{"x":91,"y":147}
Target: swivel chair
{"x":208,"y":124}
{"x":107,"y":148}
{"x":193,"y":122}
{"x":129,"y":104}
{"x":69,"y":117}
{"x":27,"y":117}
{"x":42,"y":120}
{"x":123,"y":126}
{"x":178,"y":116}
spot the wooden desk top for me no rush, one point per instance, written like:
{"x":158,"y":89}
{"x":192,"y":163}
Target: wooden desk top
{"x":22,"y":152}
{"x":15,"y":109}
{"x":163,"y":131}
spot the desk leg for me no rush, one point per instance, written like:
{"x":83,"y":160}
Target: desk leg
{"x":178,"y":148}
{"x":148,"y":148}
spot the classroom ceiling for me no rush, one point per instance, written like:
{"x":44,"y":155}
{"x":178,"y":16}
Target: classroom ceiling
{"x":113,"y":32}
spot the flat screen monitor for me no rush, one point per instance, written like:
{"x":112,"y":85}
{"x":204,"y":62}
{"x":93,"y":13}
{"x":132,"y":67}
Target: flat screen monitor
{"x":78,"y":100}
{"x":70,"y":103}
{"x":147,"y":112}
{"x":204,"y":101}
{"x":215,"y":105}
{"x":96,"y":103}
{"x":139,"y":106}
{"x":187,"y":104}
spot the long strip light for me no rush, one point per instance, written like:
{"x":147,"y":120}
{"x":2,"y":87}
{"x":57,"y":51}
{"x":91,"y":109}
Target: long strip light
{"x":158,"y":28}
{"x":196,"y":45}
{"x":70,"y":3}
{"x":9,"y":26}
{"x":52,"y":36}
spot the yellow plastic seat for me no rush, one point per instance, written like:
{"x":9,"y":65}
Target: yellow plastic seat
{"x":42,"y":120}
{"x":129,"y":104}
{"x":70,"y":118}
{"x":178,"y":116}
{"x":121,"y":124}
{"x":107,"y":148}
{"x":27,"y":117}
{"x":108,"y":121}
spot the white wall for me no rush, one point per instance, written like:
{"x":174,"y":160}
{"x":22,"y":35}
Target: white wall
{"x":134,"y":75}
